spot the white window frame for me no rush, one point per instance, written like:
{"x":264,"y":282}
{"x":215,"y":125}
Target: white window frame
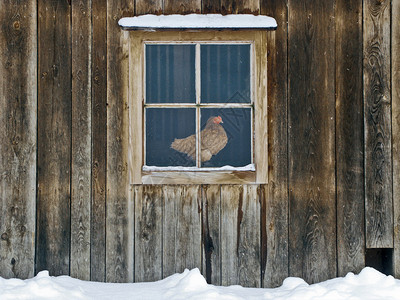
{"x":139,"y":173}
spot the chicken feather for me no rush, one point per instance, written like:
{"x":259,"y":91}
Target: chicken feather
{"x":213,"y":139}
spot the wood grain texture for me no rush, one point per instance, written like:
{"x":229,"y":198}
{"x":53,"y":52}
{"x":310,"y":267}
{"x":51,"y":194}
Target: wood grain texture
{"x":210,"y":222}
{"x":181,"y":228}
{"x":54,"y":137}
{"x":119,"y":206}
{"x":18,"y":96}
{"x":143,"y":7}
{"x":240,"y":235}
{"x":211,"y":6}
{"x":136,"y":111}
{"x":377,"y":124}
{"x":182,"y":6}
{"x":99,"y":141}
{"x":148,"y":232}
{"x":395,"y":64}
{"x":199,"y":177}
{"x":312,"y":228}
{"x":81,"y":140}
{"x":261,"y":107}
{"x":274,"y":196}
{"x":240,"y":7}
{"x":349,"y":137}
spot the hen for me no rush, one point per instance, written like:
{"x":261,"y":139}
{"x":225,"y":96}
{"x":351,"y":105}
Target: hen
{"x":213,"y":139}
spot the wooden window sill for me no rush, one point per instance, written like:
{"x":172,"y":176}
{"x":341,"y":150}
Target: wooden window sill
{"x":198,"y":177}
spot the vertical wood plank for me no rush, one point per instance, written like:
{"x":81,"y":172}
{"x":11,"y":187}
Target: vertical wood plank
{"x":274,"y":196}
{"x":240,"y":235}
{"x":54,"y":137}
{"x":148,"y":7}
{"x":210,"y":218}
{"x":349,"y":137}
{"x":240,"y":7}
{"x":182,"y":6}
{"x":211,"y":6}
{"x":148,"y":232}
{"x":81,"y":140}
{"x":395,"y":63}
{"x":136,"y":112}
{"x":99,"y":141}
{"x":312,"y":228}
{"x":18,"y":96}
{"x":231,"y":7}
{"x":261,"y":109}
{"x":119,"y":206}
{"x":181,"y":228}
{"x":377,"y":122}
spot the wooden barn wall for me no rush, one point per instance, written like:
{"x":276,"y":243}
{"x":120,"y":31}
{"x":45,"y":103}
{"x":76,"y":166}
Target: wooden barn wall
{"x":333,"y":187}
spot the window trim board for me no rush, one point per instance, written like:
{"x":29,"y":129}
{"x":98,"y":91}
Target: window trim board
{"x":136,"y":109}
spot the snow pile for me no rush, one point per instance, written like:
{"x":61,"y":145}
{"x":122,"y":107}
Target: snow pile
{"x":368,"y":285}
{"x":198,"y":21}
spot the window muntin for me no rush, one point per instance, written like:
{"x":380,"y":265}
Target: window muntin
{"x":217,"y":81}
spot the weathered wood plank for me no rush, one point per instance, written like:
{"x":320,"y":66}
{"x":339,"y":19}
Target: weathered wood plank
{"x":274,"y":196}
{"x":377,"y":124}
{"x":18,"y":96}
{"x":261,"y":108}
{"x":54,"y":137}
{"x":312,"y":228}
{"x":148,"y":232}
{"x":349,"y":137}
{"x":240,"y":7}
{"x":395,"y":64}
{"x":81,"y":140}
{"x":182,"y":6}
{"x":119,"y":206}
{"x":198,"y":177}
{"x":148,"y":7}
{"x":181,"y":228}
{"x":136,"y":112}
{"x":240,"y":235}
{"x":211,"y":6}
{"x":210,"y":219}
{"x":99,"y":141}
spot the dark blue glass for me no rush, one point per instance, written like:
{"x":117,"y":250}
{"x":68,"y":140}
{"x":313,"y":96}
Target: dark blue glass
{"x":225,"y":74}
{"x":163,"y":126}
{"x":170,"y":74}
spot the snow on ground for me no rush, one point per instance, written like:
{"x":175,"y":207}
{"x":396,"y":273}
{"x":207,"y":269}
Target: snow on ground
{"x":369,"y":284}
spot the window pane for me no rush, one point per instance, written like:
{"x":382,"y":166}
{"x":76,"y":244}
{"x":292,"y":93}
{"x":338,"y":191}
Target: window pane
{"x":237,"y":126}
{"x":225,"y":73}
{"x":170,"y":74}
{"x":163,"y":126}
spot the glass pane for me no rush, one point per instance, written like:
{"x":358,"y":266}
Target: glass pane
{"x":236,"y":132}
{"x":225,"y":73}
{"x":163,"y":126}
{"x":170,"y":74}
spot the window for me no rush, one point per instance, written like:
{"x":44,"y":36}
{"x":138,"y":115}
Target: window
{"x":186,"y":85}
{"x":198,"y":107}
